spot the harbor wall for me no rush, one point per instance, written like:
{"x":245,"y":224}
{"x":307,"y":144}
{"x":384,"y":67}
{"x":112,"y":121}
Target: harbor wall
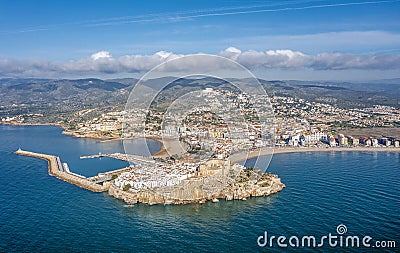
{"x":65,"y":176}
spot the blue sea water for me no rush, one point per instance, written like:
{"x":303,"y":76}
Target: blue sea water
{"x":41,"y":213}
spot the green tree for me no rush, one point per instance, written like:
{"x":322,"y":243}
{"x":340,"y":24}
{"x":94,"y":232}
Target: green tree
{"x":127,"y":187}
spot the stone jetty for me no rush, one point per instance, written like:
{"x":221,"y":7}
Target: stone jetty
{"x":56,"y":170}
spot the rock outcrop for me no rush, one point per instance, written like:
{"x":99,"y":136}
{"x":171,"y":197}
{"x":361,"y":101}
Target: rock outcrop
{"x":198,"y":190}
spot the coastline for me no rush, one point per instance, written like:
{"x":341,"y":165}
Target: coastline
{"x":242,"y":156}
{"x":284,"y":150}
{"x":191,"y":192}
{"x":162,"y":153}
{"x":65,"y":131}
{"x":238,"y":192}
{"x":31,"y":124}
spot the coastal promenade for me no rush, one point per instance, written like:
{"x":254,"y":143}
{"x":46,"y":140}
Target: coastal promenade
{"x":56,"y":169}
{"x":171,"y":147}
{"x":239,"y":157}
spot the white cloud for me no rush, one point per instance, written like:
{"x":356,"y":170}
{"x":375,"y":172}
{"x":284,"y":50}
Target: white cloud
{"x":231,"y":53}
{"x":100,"y":55}
{"x":104,"y":63}
{"x":337,"y":61}
{"x":273,"y":59}
{"x":343,"y":41}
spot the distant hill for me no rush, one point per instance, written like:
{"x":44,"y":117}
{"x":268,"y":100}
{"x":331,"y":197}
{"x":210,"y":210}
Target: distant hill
{"x":26,"y":91}
{"x":342,"y":94}
{"x":60,"y":98}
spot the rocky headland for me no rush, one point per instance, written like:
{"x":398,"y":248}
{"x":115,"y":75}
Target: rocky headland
{"x":202,"y":189}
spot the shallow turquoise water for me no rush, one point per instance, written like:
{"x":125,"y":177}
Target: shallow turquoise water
{"x":42,"y":213}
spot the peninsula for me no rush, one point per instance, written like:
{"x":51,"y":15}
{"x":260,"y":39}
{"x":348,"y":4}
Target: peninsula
{"x":162,"y":183}
{"x":205,"y":135}
{"x":154,"y":182}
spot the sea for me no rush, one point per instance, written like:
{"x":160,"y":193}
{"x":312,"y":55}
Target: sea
{"x":356,"y":191}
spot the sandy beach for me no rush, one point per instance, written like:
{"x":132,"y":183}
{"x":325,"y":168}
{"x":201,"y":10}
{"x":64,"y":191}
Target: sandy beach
{"x":175,"y":147}
{"x":281,"y":150}
{"x":169,"y":147}
{"x":238,"y":157}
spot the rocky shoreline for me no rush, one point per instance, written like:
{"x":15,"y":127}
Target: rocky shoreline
{"x":90,"y":136}
{"x":194,"y":191}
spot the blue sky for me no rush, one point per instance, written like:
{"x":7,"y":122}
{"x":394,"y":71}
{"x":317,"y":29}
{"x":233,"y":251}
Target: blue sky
{"x":60,"y":32}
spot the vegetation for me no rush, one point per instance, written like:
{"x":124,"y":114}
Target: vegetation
{"x":127,"y":187}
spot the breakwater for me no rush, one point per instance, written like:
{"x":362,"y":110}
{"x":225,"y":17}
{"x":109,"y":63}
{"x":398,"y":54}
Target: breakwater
{"x":56,"y":169}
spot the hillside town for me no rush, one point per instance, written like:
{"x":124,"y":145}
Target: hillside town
{"x":214,"y":126}
{"x":297,"y":122}
{"x":159,"y":174}
{"x":180,"y":182}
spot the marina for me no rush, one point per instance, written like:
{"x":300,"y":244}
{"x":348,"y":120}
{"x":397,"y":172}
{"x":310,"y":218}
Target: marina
{"x":92,"y":156}
{"x":61,"y":171}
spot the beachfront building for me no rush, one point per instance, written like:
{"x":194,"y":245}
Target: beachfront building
{"x":293,"y":140}
{"x":365,"y":141}
{"x":342,"y":140}
{"x":385,"y":141}
{"x":353,"y":141}
{"x":313,"y":137}
{"x":330,"y":140}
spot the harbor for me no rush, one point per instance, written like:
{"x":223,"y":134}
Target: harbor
{"x":136,"y":159}
{"x":61,"y":171}
{"x":92,"y":156}
{"x":165,"y":183}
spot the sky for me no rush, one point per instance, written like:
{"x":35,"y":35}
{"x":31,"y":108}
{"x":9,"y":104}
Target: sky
{"x":294,"y":39}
